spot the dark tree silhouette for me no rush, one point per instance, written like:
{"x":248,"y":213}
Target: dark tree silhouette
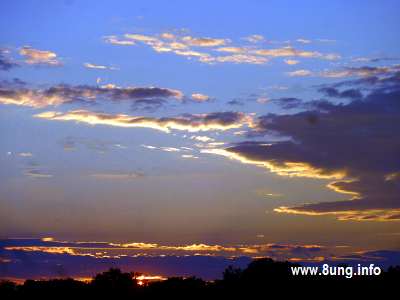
{"x":114,"y":280}
{"x":261,"y":276}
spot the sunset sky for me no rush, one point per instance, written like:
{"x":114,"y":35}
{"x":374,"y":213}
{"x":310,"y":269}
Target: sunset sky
{"x":176,"y":139}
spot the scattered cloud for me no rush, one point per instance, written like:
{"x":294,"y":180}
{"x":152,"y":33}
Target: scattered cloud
{"x":254,"y":38}
{"x":365,"y":71}
{"x":204,"y":42}
{"x":98,"y":67}
{"x":200,"y":97}
{"x":78,"y":259}
{"x":291,"y":61}
{"x":202,"y":138}
{"x":303,"y":41}
{"x":25,"y":154}
{"x":36,"y":173}
{"x":112,"y":39}
{"x":235,"y":102}
{"x":203,"y":48}
{"x":292,"y":52}
{"x":236,"y":59}
{"x":71,"y":143}
{"x":300,"y":73}
{"x":189,"y":156}
{"x":39,"y":57}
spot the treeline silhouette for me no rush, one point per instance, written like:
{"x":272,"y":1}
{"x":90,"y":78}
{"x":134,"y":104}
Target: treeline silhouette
{"x":262,"y":275}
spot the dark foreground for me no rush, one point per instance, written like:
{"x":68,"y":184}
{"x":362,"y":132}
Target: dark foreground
{"x":263,"y":276}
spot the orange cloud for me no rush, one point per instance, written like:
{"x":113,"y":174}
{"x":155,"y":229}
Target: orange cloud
{"x":35,"y":56}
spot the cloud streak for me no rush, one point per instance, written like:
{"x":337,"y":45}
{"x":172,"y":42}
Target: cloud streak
{"x":63,"y":93}
{"x":187,"y":122}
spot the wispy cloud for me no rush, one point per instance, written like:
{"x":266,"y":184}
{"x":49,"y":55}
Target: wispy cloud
{"x":117,"y":175}
{"x":36,"y":173}
{"x":112,"y":39}
{"x":291,"y":61}
{"x":98,"y":67}
{"x":300,"y":73}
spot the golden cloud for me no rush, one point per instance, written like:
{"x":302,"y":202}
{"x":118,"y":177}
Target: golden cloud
{"x":191,"y":123}
{"x":35,"y":56}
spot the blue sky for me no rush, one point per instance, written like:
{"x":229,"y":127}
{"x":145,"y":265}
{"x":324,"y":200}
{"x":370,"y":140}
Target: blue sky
{"x":215,"y":123}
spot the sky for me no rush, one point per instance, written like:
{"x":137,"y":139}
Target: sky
{"x":176,"y":138}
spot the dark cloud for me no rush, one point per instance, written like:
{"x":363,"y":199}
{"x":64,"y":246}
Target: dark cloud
{"x":346,"y":94}
{"x":47,"y":258}
{"x":364,"y":71}
{"x":288,"y":102}
{"x":235,"y":102}
{"x":139,"y":97}
{"x":356,"y":144}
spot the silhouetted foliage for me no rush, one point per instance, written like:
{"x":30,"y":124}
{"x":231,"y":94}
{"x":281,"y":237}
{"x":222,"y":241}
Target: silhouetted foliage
{"x":260,"y":276}
{"x":114,"y":280}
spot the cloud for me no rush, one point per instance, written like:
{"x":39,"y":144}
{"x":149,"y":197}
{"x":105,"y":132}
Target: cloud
{"x":112,"y":39}
{"x":355,"y":145}
{"x":188,"y":46}
{"x":117,"y":250}
{"x":49,"y":258}
{"x":39,"y":57}
{"x":291,"y":61}
{"x":303,"y":41}
{"x":70,"y":143}
{"x":6,"y":64}
{"x":189,"y":156}
{"x":170,"y":149}
{"x":373,"y":59}
{"x":204,"y":42}
{"x":263,"y":100}
{"x":63,"y":93}
{"x":254,"y":38}
{"x":117,"y":175}
{"x":364,"y":71}
{"x":25,"y":154}
{"x":231,"y":49}
{"x":236,"y":58}
{"x":287,"y":102}
{"x":202,"y":138}
{"x":290,"y":51}
{"x":346,"y":94}
{"x":99,"y":67}
{"x":200,"y":97}
{"x":187,"y":122}
{"x":235,"y":102}
{"x":300,"y":73}
{"x":36,"y":173}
